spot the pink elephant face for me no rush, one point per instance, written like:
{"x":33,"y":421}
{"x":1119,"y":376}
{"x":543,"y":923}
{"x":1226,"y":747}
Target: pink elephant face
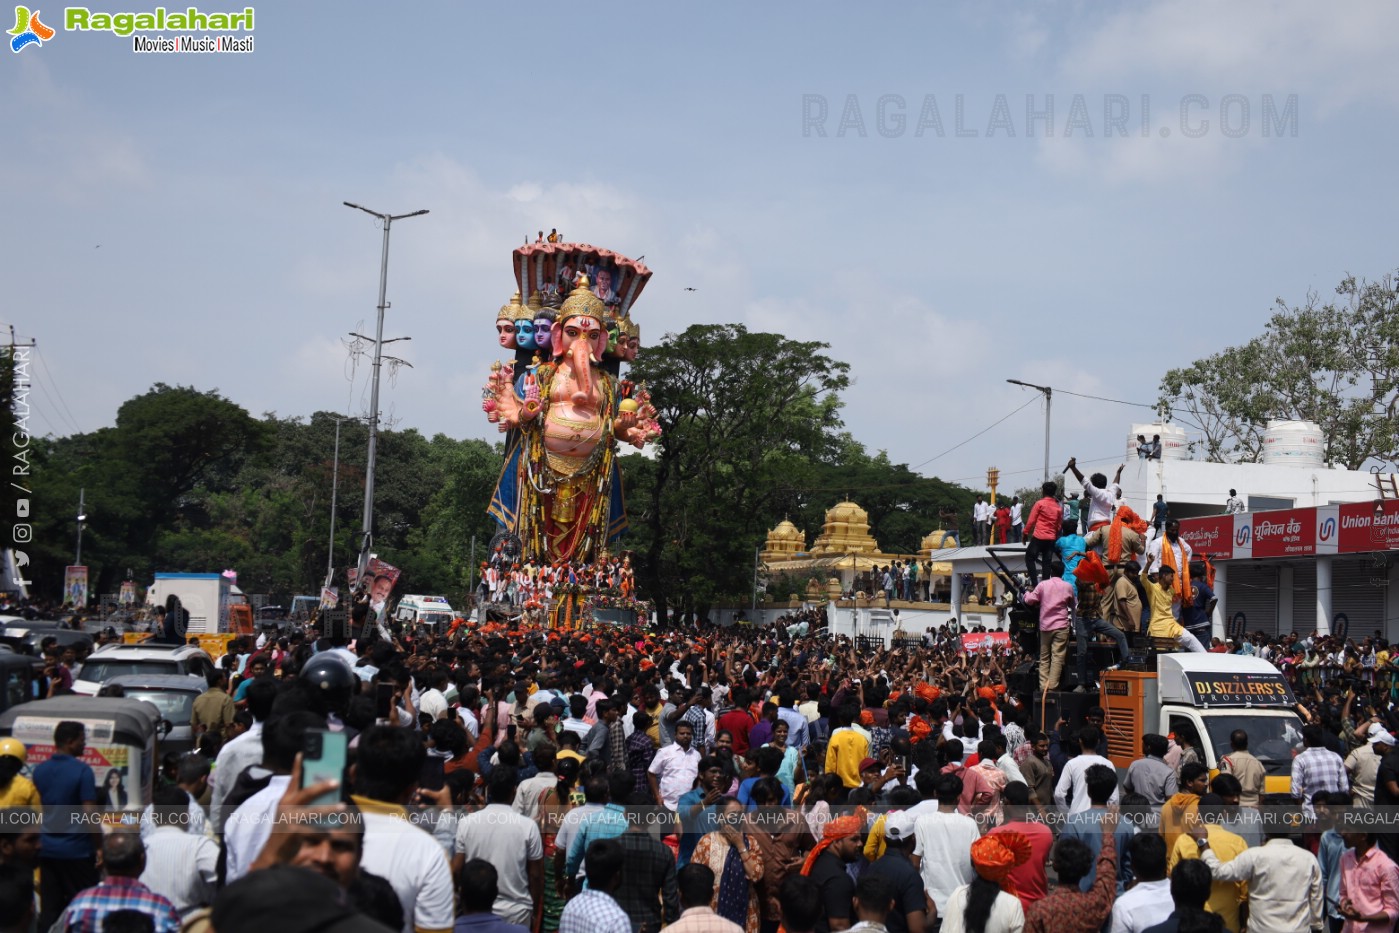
{"x":506,"y":329}
{"x":583,"y":328}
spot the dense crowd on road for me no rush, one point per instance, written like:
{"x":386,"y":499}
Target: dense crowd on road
{"x":505,"y":778}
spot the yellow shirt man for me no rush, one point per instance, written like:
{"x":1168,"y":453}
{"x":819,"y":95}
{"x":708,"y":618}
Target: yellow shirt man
{"x":1226,"y":897}
{"x":1159,"y":600}
{"x":844,"y":753}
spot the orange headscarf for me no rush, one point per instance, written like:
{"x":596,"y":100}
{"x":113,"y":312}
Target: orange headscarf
{"x":926,"y":691}
{"x":994,"y":857}
{"x":918,"y":730}
{"x":866,"y":717}
{"x":836,"y":830}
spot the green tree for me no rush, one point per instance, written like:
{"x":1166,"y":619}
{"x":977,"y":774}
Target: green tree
{"x":1335,"y":363}
{"x":741,"y":413}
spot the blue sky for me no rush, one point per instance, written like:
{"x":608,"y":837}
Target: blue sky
{"x":936,"y":266}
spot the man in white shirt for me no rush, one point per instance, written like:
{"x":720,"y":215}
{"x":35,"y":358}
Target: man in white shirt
{"x":181,"y":865}
{"x":981,"y":519}
{"x":1284,"y":881}
{"x":1101,"y":495}
{"x":1149,"y":902}
{"x":508,"y":841}
{"x":1071,"y":779}
{"x":240,"y":753}
{"x":943,"y":844}
{"x":1017,"y":521}
{"x":527,"y":797}
{"x":433,"y":700}
{"x":388,"y":761}
{"x":674,"y":768}
{"x":1234,"y":504}
{"x":246,"y":830}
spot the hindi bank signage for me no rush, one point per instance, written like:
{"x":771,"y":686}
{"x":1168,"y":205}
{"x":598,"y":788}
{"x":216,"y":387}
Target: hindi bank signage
{"x":1353,"y":528}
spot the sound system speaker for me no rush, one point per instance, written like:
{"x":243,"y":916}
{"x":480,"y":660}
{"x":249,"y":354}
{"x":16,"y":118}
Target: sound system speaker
{"x":1024,"y":681}
{"x":1063,"y":704}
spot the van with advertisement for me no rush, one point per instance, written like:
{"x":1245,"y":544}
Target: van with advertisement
{"x":433,"y":611}
{"x":122,"y":737}
{"x":1203,"y":698}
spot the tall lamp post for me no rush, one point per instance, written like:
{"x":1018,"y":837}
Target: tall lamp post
{"x":1048,"y":397}
{"x":368,"y":526}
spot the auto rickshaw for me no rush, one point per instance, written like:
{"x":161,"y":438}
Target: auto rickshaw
{"x":121,"y":742}
{"x":20,"y":677}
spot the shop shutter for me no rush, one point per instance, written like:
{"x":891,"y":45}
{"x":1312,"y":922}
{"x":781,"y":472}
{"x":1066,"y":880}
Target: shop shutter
{"x":1304,"y":597}
{"x":1253,"y":591}
{"x":1358,"y":587}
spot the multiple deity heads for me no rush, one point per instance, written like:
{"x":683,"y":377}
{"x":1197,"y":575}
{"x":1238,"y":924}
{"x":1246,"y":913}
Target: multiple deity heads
{"x":505,"y":324}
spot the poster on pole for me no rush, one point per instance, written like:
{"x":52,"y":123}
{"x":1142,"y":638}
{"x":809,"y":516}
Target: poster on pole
{"x":380,"y":578}
{"x":330,"y":597}
{"x":128,"y":592}
{"x":75,"y":586}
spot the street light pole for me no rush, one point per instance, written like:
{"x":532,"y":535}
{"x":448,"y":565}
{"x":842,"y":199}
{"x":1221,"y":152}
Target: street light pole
{"x":368,"y":524}
{"x":82,"y":519}
{"x":1048,"y":399}
{"x":334,"y":493}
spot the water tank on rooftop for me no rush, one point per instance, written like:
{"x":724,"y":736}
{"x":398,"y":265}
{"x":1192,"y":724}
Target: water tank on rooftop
{"x":1294,"y":443}
{"x":1174,"y":443}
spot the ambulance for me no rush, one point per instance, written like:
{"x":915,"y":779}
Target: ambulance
{"x":433,"y":611}
{"x":1203,"y":698}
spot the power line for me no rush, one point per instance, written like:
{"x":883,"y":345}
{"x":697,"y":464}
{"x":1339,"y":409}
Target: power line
{"x":77,"y":429}
{"x":974,"y":436}
{"x":1099,"y":398}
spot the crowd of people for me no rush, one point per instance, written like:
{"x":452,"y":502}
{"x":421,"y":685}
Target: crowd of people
{"x":507,"y":777}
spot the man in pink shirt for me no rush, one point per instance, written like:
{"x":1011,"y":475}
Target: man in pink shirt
{"x":1056,"y":600}
{"x":1369,"y":886}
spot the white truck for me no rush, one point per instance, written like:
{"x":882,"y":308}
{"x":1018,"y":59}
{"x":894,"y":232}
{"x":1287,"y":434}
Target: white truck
{"x":433,"y":611}
{"x":215,"y":606}
{"x":1209,"y":696}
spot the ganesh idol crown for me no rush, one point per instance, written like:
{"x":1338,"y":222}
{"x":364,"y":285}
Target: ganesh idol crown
{"x":563,"y":402}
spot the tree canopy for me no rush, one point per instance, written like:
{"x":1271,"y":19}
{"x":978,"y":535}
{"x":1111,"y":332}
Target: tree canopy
{"x":187,"y":480}
{"x":1335,"y":363}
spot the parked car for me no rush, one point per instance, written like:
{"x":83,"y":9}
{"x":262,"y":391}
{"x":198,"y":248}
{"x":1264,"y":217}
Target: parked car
{"x":143,"y":659}
{"x":16,"y":631}
{"x":173,"y":695}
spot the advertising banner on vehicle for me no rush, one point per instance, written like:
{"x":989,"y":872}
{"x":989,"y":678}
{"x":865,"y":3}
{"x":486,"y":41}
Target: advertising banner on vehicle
{"x":118,"y":768}
{"x":1240,"y":689}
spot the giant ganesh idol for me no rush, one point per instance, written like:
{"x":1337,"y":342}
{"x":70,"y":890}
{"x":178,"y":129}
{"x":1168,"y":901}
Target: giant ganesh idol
{"x":563,"y":401}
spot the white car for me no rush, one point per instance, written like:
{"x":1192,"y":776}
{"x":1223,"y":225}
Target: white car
{"x":144,"y":659}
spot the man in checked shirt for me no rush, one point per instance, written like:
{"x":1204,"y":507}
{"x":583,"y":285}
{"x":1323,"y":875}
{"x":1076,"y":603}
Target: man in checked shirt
{"x":1317,"y":769}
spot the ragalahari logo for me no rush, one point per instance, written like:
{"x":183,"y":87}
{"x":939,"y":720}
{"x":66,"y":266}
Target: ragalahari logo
{"x":29,"y":30}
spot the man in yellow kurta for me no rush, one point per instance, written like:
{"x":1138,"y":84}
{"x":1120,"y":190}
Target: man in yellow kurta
{"x":1160,"y":596}
{"x":1226,"y":897}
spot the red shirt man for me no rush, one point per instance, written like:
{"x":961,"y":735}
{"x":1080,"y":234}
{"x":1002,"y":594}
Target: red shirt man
{"x":737,"y":721}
